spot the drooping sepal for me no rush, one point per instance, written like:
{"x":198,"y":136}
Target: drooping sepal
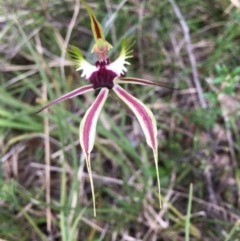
{"x":69,"y":95}
{"x":81,"y":64}
{"x":87,"y":133}
{"x":126,"y":52}
{"x":146,"y":121}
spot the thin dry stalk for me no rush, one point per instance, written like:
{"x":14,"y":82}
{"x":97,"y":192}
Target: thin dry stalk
{"x":68,"y":35}
{"x":111,"y":19}
{"x":190,"y":53}
{"x":50,"y":64}
{"x":113,"y":29}
{"x":15,"y":165}
{"x":47,"y":162}
{"x":139,"y":42}
{"x":46,"y":145}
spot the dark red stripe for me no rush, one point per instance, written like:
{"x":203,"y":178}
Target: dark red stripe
{"x":139,"y":81}
{"x":98,"y":32}
{"x":147,"y":120}
{"x":88,"y":123}
{"x":160,"y":84}
{"x":75,"y":92}
{"x":67,"y":96}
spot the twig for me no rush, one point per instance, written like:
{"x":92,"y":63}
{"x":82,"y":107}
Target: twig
{"x":139,"y":41}
{"x":113,"y":29}
{"x":46,"y":145}
{"x":69,"y":32}
{"x":47,"y":162}
{"x":50,"y":64}
{"x":190,"y":53}
{"x":112,"y":17}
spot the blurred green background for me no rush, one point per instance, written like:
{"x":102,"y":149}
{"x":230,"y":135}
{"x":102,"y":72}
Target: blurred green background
{"x":45,"y":193}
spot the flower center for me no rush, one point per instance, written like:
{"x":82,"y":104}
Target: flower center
{"x":103,"y":77}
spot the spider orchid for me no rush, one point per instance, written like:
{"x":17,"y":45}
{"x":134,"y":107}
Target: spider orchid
{"x":107,"y":76}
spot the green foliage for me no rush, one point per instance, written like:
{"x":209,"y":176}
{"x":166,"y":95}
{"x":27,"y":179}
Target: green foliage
{"x":199,"y":146}
{"x":205,"y":119}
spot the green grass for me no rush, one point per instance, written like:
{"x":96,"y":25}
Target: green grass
{"x":198,"y":146}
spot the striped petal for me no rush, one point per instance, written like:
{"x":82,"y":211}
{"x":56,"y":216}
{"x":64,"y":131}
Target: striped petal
{"x":81,"y":63}
{"x":88,"y":131}
{"x":69,"y":95}
{"x":147,"y":123}
{"x":131,"y":80}
{"x":118,"y":65}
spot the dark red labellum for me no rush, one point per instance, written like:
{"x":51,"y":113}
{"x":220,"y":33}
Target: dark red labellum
{"x":103,"y":77}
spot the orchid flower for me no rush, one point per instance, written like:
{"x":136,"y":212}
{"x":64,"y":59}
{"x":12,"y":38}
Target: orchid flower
{"x":107,"y":76}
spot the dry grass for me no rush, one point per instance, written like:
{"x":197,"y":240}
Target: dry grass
{"x":45,"y":192}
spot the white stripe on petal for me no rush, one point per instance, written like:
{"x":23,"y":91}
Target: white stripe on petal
{"x":89,"y":121}
{"x":69,"y":95}
{"x":143,"y":114}
{"x":88,"y":130}
{"x":131,"y":80}
{"x":147,"y":123}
